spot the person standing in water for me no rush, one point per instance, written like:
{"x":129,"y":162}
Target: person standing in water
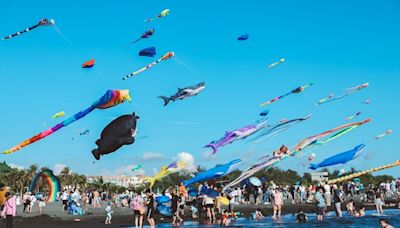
{"x":379,"y":201}
{"x":320,"y":203}
{"x":277,"y":203}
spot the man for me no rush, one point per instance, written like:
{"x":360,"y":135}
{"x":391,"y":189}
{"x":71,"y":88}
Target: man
{"x":174,"y":208}
{"x":150,"y":208}
{"x":337,"y":199}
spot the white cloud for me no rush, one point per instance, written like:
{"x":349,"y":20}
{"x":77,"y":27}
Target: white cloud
{"x":152,"y":156}
{"x":188,"y":159}
{"x":13,"y":165}
{"x":58,"y":168}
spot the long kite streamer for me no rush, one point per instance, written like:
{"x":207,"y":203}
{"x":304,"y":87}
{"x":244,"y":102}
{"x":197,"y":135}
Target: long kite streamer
{"x":174,"y":167}
{"x":168,"y":55}
{"x":358,"y":174}
{"x":297,"y":90}
{"x":349,"y":91}
{"x":383,"y":134}
{"x":43,"y":22}
{"x":110,"y":99}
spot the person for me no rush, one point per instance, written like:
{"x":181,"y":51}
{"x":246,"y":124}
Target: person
{"x":350,"y":207}
{"x":208,"y":202}
{"x":194,"y":211}
{"x":96,"y":200}
{"x":108,"y":213}
{"x":182,"y":203}
{"x":337,"y":199}
{"x":182,"y":190}
{"x":33,"y":200}
{"x":64,"y":198}
{"x":231,"y":206}
{"x":361,"y":212}
{"x":175,"y":208}
{"x":385,"y":224}
{"x":320,"y":203}
{"x":301,"y":217}
{"x":378,"y":200}
{"x":258,"y":214}
{"x":225,"y":221}
{"x":150,"y":208}
{"x":327,"y":195}
{"x":138,"y":209}
{"x":9,"y":209}
{"x":277,"y":203}
{"x":41,"y":204}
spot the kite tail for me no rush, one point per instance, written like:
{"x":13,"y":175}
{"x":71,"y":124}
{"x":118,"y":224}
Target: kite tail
{"x":213,"y":147}
{"x":21,"y":32}
{"x":135,"y":41}
{"x":314,"y":166}
{"x":165,"y":99}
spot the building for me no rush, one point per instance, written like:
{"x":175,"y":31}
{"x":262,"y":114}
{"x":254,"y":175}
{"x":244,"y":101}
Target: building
{"x":121,"y":180}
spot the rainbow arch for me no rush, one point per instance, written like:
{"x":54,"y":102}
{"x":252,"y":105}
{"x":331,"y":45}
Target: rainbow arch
{"x":52,"y":181}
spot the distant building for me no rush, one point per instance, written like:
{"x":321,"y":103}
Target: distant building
{"x":122,"y":180}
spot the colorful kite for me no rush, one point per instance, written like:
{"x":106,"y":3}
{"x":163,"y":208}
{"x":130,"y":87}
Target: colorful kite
{"x":297,"y":90}
{"x":358,"y":174}
{"x":384,"y":134}
{"x":86,"y":131}
{"x":145,"y":35}
{"x":88,"y":64}
{"x":162,"y":14}
{"x":349,"y":91}
{"x":272,"y":65}
{"x":341,"y":158}
{"x":136,"y":167}
{"x":168,"y":55}
{"x":58,"y":114}
{"x":43,"y":22}
{"x":243,"y":37}
{"x":148,"y":52}
{"x":312,"y":156}
{"x":110,"y":99}
{"x":52,"y":181}
{"x":353,"y":116}
{"x":174,"y":167}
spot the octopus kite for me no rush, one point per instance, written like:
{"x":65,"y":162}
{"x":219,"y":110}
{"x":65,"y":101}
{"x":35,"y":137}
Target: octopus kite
{"x":349,"y":91}
{"x":110,"y":99}
{"x":43,"y":22}
{"x":168,"y":55}
{"x":297,"y":90}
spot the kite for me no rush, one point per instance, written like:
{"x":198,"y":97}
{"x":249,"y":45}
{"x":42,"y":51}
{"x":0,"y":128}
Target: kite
{"x":136,"y":167}
{"x":86,"y":131}
{"x":297,"y":90}
{"x":312,"y":156}
{"x":168,"y":55}
{"x":214,"y":173}
{"x":174,"y":167}
{"x":353,"y":116}
{"x":349,"y":91}
{"x":358,"y":174}
{"x":58,"y":114}
{"x":110,"y":99}
{"x":43,"y":22}
{"x":368,"y":101}
{"x":119,"y":132}
{"x":162,"y":14}
{"x":148,"y":52}
{"x":243,"y":37}
{"x":52,"y":181}
{"x":88,"y":64}
{"x":145,"y":35}
{"x":255,"y":181}
{"x":384,"y":134}
{"x":183,"y":93}
{"x":341,"y":158}
{"x":272,"y":65}
{"x":268,"y":161}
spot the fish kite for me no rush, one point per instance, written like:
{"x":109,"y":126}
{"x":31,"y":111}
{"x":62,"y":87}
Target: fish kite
{"x":84,"y":132}
{"x":110,"y":99}
{"x":119,"y":132}
{"x":43,"y":22}
{"x":358,"y":174}
{"x":214,"y":173}
{"x":174,"y":167}
{"x":272,"y":65}
{"x":341,"y":158}
{"x":88,"y":64}
{"x":183,"y":93}
{"x":136,"y":167}
{"x":168,"y":55}
{"x":58,"y":114}
{"x":297,"y":90}
{"x":353,"y":116}
{"x":349,"y":91}
{"x":145,"y":35}
{"x":162,"y":14}
{"x":148,"y":52}
{"x":384,"y":134}
{"x":243,"y":37}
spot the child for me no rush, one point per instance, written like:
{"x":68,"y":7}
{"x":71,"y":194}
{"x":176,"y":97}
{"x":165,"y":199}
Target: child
{"x":350,"y":207}
{"x":301,"y":217}
{"x":225,"y":218}
{"x":194,"y":211}
{"x":361,"y":212}
{"x":108,"y":213}
{"x":259,"y":215}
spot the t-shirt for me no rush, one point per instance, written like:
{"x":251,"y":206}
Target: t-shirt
{"x":150,"y":202}
{"x":174,"y":204}
{"x":320,"y":200}
{"x":336,"y":196}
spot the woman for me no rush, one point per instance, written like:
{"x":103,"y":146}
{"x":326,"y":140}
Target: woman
{"x":319,"y":197}
{"x":277,"y":203}
{"x":378,"y":200}
{"x":208,"y":202}
{"x":9,"y":210}
{"x":138,"y":209}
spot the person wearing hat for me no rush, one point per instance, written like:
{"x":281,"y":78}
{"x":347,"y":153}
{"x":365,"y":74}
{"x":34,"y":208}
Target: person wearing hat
{"x":9,"y":210}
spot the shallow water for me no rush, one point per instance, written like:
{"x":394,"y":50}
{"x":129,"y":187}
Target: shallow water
{"x":370,"y":220}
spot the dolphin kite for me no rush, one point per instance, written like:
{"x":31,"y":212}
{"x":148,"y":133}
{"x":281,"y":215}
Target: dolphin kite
{"x":183,"y":93}
{"x":216,"y":172}
{"x":341,"y":158}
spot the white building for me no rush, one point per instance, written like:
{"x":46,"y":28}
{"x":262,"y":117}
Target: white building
{"x":122,"y":180}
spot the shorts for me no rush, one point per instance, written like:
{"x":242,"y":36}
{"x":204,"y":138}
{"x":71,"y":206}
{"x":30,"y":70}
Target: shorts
{"x":320,"y":210}
{"x":136,"y":212}
{"x":149,"y":213}
{"x":209,"y":205}
{"x":378,"y":202}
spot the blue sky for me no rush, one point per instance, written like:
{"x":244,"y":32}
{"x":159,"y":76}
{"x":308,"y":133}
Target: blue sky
{"x":334,"y":45}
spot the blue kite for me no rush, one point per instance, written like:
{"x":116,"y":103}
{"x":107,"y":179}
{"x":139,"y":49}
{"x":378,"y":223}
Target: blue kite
{"x":341,"y":158}
{"x":148,"y":52}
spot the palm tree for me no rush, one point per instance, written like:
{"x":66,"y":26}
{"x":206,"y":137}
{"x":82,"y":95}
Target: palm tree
{"x":65,"y":176}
